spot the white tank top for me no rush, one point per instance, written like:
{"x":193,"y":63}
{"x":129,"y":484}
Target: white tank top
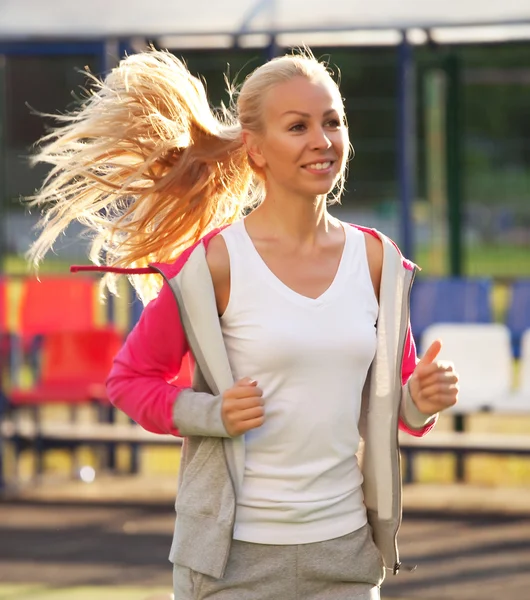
{"x":302,"y":483}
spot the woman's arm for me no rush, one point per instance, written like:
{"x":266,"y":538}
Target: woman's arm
{"x":144,"y":382}
{"x":411,"y":419}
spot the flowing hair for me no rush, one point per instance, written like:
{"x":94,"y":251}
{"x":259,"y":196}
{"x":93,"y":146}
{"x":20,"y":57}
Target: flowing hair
{"x":148,"y":166}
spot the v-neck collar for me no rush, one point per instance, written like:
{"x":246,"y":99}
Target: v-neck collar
{"x":281,"y":286}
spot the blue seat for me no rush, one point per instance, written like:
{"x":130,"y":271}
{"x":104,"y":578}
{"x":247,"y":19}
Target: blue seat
{"x":449,"y":300}
{"x":518,"y":315}
{"x":136,"y":309}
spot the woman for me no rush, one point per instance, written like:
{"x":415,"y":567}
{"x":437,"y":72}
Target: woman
{"x":298,"y":323}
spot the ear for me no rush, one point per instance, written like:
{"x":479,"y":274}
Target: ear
{"x":251,"y":141}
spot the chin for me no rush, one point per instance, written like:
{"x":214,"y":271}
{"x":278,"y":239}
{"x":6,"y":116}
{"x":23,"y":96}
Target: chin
{"x":327,"y":186}
{"x":322,"y":190}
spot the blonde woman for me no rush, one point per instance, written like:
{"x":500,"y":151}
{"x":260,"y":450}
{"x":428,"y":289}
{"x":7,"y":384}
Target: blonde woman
{"x":305,"y":367}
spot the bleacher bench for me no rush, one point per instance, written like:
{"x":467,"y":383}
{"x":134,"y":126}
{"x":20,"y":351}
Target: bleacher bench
{"x":103,"y":434}
{"x":89,"y":433}
{"x":467,"y":442}
{"x":46,"y":435}
{"x":460,"y":444}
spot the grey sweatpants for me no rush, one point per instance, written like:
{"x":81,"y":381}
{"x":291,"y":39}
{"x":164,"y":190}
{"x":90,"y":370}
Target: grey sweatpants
{"x":345,"y":568}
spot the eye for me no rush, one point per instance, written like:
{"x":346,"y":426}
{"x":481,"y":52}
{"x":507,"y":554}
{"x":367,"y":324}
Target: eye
{"x":297,"y":127}
{"x":334,"y":123}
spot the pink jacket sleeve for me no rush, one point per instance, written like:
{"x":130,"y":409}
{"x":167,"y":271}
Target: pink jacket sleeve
{"x":143,"y":382}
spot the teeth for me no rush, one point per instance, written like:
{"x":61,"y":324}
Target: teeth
{"x":320,"y":166}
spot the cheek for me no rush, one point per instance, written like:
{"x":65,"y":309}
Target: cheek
{"x":341,"y":150}
{"x":342,"y":143}
{"x":284,"y":152}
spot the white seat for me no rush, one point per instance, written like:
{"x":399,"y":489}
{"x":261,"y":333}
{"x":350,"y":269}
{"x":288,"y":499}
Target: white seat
{"x":481,"y":353}
{"x":519,"y":401}
{"x":524,"y":385}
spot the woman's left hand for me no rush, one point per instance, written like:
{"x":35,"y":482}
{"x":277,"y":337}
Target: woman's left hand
{"x":434,"y":384}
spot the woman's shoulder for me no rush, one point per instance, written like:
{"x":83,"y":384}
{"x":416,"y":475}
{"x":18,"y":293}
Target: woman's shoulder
{"x":374,"y":242}
{"x":374,"y":253}
{"x":172,"y":268}
{"x":217,"y":258}
{"x":218,"y":261}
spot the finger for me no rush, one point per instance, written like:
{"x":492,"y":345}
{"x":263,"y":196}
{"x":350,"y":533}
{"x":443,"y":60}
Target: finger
{"x":438,"y":390}
{"x":441,"y":403}
{"x":426,"y":370}
{"x":239,"y":404}
{"x":246,"y":381}
{"x":438,"y":366}
{"x":431,"y":354}
{"x":244,"y":391}
{"x":436,"y":377}
{"x":447,"y":365}
{"x":251,"y":424}
{"x":250,"y":414}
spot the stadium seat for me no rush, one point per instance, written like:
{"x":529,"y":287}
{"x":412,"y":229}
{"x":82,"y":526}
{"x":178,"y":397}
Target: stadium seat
{"x":524,"y":377}
{"x":451,"y":300}
{"x":519,"y":401}
{"x":73,"y":367}
{"x":8,"y":364}
{"x":48,"y":305}
{"x":518,"y":314}
{"x":4,"y":328}
{"x":5,"y":350}
{"x":481,"y":353}
{"x":136,"y":308}
{"x":52,"y":304}
{"x":3,"y":305}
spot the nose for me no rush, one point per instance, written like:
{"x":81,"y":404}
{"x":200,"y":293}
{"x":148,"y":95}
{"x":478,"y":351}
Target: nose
{"x":320,"y":139}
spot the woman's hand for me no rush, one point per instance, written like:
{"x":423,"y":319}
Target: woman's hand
{"x":434,"y":384}
{"x":242,"y":407}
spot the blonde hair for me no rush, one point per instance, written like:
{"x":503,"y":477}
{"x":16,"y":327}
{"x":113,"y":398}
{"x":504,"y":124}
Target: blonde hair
{"x":148,"y":166}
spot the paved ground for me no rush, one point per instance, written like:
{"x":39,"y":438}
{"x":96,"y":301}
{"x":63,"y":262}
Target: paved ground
{"x":46,"y":550}
{"x":44,"y":592}
{"x":464,"y":558}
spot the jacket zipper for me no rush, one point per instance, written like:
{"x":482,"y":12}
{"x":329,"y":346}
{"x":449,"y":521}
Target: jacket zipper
{"x":398,"y":565}
{"x":227,"y":554}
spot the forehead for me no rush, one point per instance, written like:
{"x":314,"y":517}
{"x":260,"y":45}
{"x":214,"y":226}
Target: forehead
{"x":302,"y":95}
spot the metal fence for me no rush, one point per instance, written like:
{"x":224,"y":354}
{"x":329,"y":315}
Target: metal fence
{"x":494,"y":165}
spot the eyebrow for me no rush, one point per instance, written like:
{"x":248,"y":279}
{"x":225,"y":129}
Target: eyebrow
{"x":307,"y":115}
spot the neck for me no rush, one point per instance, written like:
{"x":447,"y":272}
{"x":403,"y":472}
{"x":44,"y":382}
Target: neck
{"x":301,"y":220}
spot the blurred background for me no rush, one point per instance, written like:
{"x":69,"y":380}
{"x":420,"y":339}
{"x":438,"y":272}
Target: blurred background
{"x":438,"y":105}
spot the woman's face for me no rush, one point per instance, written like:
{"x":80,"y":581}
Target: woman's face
{"x":303,"y":147}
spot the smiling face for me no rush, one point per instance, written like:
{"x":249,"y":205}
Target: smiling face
{"x":302,"y":149}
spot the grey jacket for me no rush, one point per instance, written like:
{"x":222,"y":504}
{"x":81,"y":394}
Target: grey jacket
{"x":212,"y":462}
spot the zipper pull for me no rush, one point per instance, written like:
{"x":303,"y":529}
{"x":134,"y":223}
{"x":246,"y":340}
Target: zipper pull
{"x":400,"y":566}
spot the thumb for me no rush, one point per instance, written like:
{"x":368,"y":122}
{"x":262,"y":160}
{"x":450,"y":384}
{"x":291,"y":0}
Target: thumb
{"x":431,"y":354}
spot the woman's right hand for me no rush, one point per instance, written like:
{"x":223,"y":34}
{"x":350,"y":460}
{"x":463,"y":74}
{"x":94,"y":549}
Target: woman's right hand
{"x":242,"y":407}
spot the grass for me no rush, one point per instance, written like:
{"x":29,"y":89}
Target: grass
{"x":484,"y":260}
{"x":498,"y":262}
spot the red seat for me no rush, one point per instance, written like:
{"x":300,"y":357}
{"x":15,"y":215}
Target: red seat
{"x":6,"y":335}
{"x":49,"y":305}
{"x":54,"y":304}
{"x":4,"y":327}
{"x":3,"y":305}
{"x":73,"y":367}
